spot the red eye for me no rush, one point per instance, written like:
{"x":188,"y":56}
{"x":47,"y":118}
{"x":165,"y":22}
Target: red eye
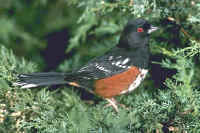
{"x":140,"y":30}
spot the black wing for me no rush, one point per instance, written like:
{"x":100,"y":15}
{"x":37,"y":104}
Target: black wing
{"x":105,"y":66}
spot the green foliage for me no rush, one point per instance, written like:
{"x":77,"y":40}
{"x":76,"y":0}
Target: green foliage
{"x":9,"y":66}
{"x":95,"y":27}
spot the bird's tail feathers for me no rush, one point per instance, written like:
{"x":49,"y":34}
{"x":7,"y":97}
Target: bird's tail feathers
{"x":41,"y":79}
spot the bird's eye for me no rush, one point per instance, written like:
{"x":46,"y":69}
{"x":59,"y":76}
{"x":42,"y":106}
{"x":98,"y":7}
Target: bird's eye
{"x":140,"y":30}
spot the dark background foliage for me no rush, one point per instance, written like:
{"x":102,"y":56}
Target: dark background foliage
{"x":62,"y":35}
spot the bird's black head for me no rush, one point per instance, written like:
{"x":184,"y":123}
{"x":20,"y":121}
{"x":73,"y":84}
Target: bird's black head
{"x":136,"y":34}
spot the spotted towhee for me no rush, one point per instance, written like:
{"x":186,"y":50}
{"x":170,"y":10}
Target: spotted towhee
{"x":118,"y":71}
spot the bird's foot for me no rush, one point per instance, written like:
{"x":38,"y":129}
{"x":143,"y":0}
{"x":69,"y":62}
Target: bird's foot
{"x":113,"y":103}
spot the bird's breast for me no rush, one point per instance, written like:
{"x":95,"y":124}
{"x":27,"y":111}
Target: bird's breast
{"x":120,"y":83}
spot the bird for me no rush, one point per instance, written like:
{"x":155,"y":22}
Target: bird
{"x":118,"y":71}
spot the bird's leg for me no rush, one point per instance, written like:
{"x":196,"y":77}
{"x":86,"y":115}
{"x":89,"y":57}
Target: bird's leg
{"x":113,"y":103}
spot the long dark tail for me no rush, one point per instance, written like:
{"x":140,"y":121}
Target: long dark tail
{"x":41,"y":79}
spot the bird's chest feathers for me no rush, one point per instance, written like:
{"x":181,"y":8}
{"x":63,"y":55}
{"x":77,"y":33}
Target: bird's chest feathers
{"x":120,"y":83}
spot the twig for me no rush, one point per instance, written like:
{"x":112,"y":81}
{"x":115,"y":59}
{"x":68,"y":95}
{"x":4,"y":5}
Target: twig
{"x":187,"y":112}
{"x":183,"y":30}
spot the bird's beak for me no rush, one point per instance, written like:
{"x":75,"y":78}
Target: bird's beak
{"x":152,"y":29}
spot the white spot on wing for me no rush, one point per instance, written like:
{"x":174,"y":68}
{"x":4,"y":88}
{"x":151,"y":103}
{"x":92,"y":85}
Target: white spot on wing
{"x":124,"y":66}
{"x":129,"y":67}
{"x":125,"y":61}
{"x":83,"y":69}
{"x":110,"y":58}
{"x":86,"y":77}
{"x":101,"y":68}
{"x":137,"y":81}
{"x":118,"y":63}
